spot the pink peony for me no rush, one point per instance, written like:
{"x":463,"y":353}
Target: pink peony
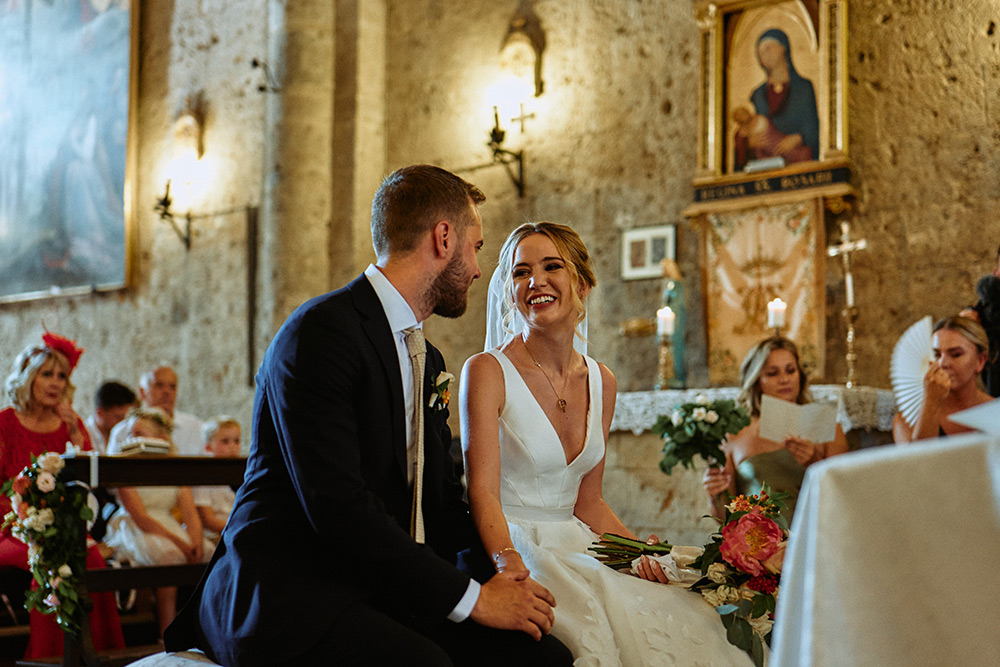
{"x":750,"y":540}
{"x":22,"y":483}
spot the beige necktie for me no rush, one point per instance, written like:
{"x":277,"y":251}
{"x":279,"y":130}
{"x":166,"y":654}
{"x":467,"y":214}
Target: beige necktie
{"x":418,"y":352}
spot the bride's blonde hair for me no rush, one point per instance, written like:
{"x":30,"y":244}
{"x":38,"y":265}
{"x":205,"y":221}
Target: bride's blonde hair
{"x":570,"y":247}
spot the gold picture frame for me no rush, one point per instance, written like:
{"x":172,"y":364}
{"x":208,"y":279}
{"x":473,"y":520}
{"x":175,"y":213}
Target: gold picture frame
{"x":773,"y":90}
{"x":68,"y":99}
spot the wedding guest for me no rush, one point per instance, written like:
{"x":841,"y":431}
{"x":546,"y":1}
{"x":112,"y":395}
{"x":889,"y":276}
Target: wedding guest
{"x":144,"y":530}
{"x":951,"y":385}
{"x":986,"y":311}
{"x":158,"y":389}
{"x":41,"y":419}
{"x":112,"y":401}
{"x":214,"y":503}
{"x":338,"y":436}
{"x":771,"y":368}
{"x":536,"y":413}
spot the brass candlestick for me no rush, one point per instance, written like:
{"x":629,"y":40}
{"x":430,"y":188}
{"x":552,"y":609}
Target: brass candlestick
{"x":665,"y":369}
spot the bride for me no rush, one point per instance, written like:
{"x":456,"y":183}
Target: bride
{"x":535,"y":414}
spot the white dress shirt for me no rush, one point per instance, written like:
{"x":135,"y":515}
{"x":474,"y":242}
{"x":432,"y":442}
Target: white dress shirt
{"x":400,"y":317}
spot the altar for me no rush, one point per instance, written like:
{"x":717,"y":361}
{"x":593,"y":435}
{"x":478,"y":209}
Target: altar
{"x":673,"y":506}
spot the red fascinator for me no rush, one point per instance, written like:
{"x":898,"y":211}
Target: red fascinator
{"x":68,"y":348}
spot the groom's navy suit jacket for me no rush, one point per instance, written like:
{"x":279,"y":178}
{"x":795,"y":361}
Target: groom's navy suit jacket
{"x":321,"y":520}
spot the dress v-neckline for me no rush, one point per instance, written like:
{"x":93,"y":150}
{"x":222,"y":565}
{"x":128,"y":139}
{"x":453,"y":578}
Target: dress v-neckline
{"x":590,"y":408}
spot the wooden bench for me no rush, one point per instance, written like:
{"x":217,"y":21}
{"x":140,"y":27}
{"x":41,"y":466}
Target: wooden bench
{"x":112,"y":472}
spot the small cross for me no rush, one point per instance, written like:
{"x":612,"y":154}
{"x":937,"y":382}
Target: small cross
{"x":844,"y":250}
{"x":523,"y":117}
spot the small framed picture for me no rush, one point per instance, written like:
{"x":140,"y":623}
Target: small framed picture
{"x":644,"y":248}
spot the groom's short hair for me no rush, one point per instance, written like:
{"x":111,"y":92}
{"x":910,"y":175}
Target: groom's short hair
{"x":412,"y":199}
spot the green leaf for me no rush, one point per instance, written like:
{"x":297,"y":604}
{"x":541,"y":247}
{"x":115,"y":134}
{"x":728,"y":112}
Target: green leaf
{"x":757,"y":651}
{"x":740,"y":634}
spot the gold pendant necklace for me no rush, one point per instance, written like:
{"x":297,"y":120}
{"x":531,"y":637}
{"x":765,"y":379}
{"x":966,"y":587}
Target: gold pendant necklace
{"x":561,"y":402}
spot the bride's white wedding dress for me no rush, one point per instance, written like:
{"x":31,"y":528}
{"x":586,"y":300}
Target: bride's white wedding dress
{"x":606,"y":618}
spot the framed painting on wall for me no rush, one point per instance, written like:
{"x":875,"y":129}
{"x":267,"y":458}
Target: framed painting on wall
{"x":67,"y":96}
{"x":772,"y":113}
{"x":644,"y":249}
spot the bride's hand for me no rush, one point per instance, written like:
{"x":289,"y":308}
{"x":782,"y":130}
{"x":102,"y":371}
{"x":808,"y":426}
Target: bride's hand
{"x":650,"y":570}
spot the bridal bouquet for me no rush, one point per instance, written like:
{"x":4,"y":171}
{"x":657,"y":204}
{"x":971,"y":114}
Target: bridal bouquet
{"x":618,"y":552}
{"x":698,"y":428}
{"x":741,"y":569}
{"x":46,"y":516}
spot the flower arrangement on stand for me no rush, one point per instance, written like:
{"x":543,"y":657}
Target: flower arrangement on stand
{"x":741,"y":569}
{"x":46,"y":515}
{"x":698,"y":428}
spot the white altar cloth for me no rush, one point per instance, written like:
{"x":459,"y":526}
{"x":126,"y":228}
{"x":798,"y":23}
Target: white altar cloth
{"x":893,"y":559}
{"x":857,"y":407}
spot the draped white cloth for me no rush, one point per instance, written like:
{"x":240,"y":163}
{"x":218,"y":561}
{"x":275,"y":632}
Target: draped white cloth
{"x":892,"y":559}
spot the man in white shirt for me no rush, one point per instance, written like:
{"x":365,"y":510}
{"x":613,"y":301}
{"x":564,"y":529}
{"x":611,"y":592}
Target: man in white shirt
{"x":112,"y":401}
{"x":158,"y":389}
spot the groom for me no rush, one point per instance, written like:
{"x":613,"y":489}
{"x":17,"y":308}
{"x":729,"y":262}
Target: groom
{"x":317,"y":564}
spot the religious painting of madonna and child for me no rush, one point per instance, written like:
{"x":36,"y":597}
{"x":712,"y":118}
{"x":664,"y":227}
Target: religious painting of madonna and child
{"x":773,"y":118}
{"x":65,"y":81}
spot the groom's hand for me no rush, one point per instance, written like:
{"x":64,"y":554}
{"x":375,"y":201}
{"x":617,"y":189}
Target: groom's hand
{"x":514,"y":601}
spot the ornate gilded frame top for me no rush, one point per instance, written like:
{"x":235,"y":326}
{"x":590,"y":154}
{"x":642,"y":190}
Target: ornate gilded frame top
{"x":759,"y":140}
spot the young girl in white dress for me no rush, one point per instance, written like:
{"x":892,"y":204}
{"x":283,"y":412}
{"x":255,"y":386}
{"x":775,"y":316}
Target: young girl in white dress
{"x":535,"y":419}
{"x":144,"y":531}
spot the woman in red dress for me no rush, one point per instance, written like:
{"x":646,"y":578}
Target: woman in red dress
{"x":41,"y":419}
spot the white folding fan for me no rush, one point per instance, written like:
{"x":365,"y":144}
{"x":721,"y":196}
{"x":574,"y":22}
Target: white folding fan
{"x":910,"y":359}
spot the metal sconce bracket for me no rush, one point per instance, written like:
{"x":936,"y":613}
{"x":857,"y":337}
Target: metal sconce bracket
{"x":163,"y":209}
{"x":505,"y":157}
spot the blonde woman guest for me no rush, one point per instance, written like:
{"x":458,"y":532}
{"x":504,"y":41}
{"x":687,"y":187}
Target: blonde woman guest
{"x":535,"y":419}
{"x":214,"y":503}
{"x":41,"y":419}
{"x":144,"y":531}
{"x":951,"y":384}
{"x":771,"y":368}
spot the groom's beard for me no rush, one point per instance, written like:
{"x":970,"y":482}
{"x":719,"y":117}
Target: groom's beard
{"x":450,"y":290}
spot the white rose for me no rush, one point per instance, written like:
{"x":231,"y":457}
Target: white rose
{"x":711,"y":416}
{"x":711,"y":596}
{"x":698,"y":414}
{"x":46,"y":517}
{"x":761,"y":625}
{"x":51,"y":462}
{"x":716,"y":572}
{"x":65,"y":571}
{"x":46,"y":482}
{"x":701,"y":399}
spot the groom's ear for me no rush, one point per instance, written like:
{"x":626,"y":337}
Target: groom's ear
{"x":444,"y":238}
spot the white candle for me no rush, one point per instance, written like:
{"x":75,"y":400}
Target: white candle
{"x":849,"y":284}
{"x":776,"y":314}
{"x":665,"y":321}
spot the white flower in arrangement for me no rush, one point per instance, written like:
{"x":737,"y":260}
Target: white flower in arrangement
{"x":698,"y":414}
{"x":716,"y":572}
{"x":15,"y":501}
{"x":711,"y":416}
{"x":677,"y":418}
{"x":46,"y":482}
{"x":761,"y":625}
{"x":701,"y":399}
{"x":52,"y":463}
{"x":65,"y":571}
{"x":721,"y":595}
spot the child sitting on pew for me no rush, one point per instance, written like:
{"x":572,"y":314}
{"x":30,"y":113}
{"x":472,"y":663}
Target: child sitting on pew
{"x":214,"y":503}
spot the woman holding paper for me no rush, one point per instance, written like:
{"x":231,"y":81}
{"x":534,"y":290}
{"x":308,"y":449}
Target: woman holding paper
{"x":771,"y":368}
{"x":961,"y":349}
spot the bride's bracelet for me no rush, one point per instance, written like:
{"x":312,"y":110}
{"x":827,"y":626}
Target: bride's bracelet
{"x":496,"y":556}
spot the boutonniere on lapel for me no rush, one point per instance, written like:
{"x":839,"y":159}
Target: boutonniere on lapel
{"x":441,"y":396}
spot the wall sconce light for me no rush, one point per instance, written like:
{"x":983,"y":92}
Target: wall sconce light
{"x":185,"y":169}
{"x":521,"y":65}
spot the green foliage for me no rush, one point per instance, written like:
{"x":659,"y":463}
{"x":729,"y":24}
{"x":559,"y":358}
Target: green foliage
{"x":698,"y":428}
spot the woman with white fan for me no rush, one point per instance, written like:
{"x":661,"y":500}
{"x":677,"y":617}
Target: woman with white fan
{"x":951,"y":383}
